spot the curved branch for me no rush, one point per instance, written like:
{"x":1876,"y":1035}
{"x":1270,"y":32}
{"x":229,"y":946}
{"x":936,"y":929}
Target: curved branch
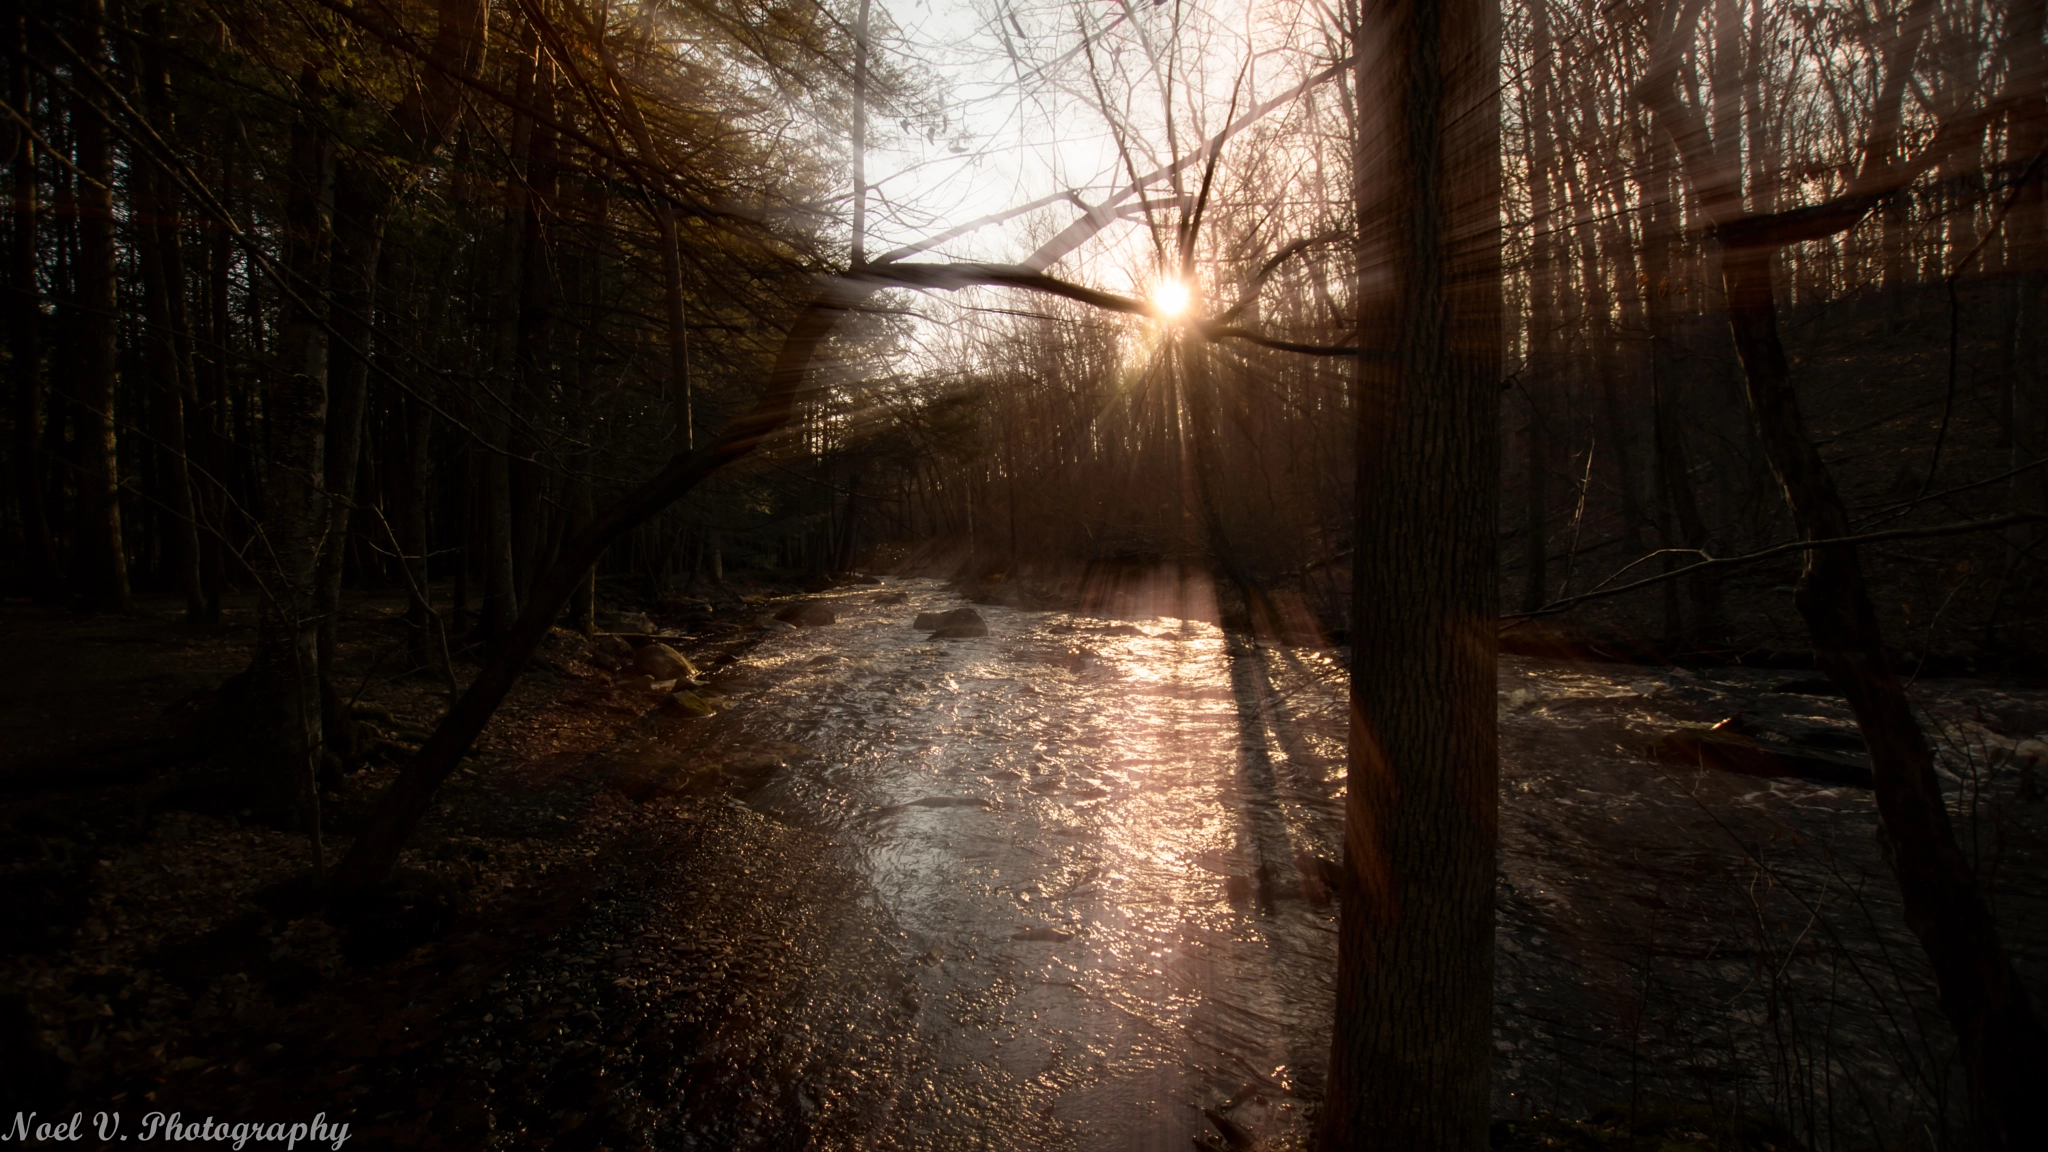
{"x":953,"y":277}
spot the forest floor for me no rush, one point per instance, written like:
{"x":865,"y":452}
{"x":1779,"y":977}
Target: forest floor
{"x":1057,"y":888}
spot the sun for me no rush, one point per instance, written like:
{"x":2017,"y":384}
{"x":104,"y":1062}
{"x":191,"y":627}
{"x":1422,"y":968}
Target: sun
{"x":1170,"y":297}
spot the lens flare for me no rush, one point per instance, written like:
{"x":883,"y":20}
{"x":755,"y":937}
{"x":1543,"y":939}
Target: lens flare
{"x":1170,"y":298}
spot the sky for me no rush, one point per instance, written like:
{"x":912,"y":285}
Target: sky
{"x":1025,"y":109}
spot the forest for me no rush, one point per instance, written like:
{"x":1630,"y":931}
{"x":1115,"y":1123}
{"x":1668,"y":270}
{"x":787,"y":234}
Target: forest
{"x":1397,"y":574}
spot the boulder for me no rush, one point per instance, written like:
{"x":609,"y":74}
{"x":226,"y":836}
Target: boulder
{"x":958,"y":624}
{"x":807,"y":614}
{"x":625,"y":622}
{"x":663,"y":662}
{"x":691,"y":704}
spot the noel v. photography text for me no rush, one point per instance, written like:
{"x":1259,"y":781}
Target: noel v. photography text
{"x":110,"y":1127}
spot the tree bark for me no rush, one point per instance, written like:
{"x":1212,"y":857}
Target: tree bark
{"x":421,"y":640}
{"x":1412,"y":1049}
{"x":160,"y":243}
{"x":284,"y":709}
{"x":1675,"y":485}
{"x":362,"y":201}
{"x":101,"y":560}
{"x":25,"y":327}
{"x":2027,"y":67}
{"x":501,"y":576}
{"x":1542,"y":348}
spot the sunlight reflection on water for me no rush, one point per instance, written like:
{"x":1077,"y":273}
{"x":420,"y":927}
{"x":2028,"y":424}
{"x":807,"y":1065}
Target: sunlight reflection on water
{"x":1087,"y":831}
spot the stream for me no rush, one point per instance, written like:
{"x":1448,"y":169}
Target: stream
{"x":1061,"y":887}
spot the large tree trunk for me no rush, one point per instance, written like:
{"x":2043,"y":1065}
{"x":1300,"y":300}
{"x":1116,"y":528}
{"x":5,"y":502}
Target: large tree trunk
{"x":1411,"y":1054}
{"x":101,"y":563}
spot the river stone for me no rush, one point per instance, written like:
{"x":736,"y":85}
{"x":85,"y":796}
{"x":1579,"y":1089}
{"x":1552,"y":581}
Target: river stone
{"x":807,"y":614}
{"x":625,"y":622}
{"x":691,"y":704}
{"x":958,"y":624}
{"x":663,"y":663}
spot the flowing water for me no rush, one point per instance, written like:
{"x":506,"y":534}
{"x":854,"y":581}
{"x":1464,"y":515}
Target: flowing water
{"x":1088,"y":830}
{"x":1070,"y":894}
